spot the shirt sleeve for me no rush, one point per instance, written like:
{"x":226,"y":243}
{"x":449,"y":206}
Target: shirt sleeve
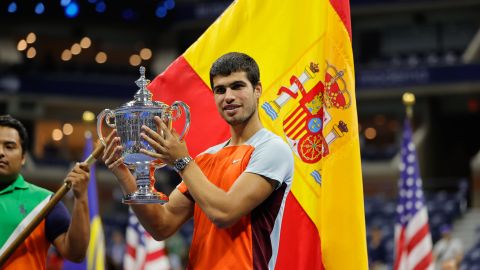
{"x":272,"y":159}
{"x":57,"y":222}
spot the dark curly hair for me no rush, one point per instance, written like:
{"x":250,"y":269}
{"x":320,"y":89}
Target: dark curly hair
{"x":8,"y":121}
{"x":235,"y":62}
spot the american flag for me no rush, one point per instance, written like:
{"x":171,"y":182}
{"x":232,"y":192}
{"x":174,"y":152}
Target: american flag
{"x":143,"y":252}
{"x":413,"y":242}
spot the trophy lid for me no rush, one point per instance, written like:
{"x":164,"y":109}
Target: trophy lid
{"x":143,"y":97}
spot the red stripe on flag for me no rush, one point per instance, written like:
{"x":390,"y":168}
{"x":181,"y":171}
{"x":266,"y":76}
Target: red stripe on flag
{"x":399,"y":248}
{"x":151,"y":256}
{"x":131,"y":251}
{"x":297,"y":126}
{"x":291,"y":115}
{"x":298,"y":130}
{"x":419,"y":235}
{"x":301,"y":233}
{"x":343,"y":10}
{"x":207,"y":128}
{"x":425,"y":262}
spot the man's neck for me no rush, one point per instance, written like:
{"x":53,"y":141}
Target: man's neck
{"x":4,"y":185}
{"x":6,"y":181}
{"x":241,"y":133}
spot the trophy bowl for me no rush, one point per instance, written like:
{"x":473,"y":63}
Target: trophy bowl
{"x":128,"y":120}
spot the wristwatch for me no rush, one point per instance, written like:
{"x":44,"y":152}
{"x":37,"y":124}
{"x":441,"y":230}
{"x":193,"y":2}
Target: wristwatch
{"x":181,"y":163}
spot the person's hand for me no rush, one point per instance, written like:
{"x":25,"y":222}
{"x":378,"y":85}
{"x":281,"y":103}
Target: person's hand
{"x":167,"y":144}
{"x":449,"y":265}
{"x":112,"y":155}
{"x":79,"y":177}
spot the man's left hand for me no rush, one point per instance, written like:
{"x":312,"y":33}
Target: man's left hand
{"x":167,"y":144}
{"x":79,"y":177}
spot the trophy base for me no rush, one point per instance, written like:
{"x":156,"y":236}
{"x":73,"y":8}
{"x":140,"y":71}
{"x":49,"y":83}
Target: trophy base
{"x":137,"y":198}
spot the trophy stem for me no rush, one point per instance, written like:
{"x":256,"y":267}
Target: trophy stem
{"x":146,"y":192}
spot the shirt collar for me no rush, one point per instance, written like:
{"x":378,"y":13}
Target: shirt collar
{"x":18,"y":183}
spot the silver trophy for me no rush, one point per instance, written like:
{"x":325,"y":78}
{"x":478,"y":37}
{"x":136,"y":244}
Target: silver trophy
{"x":128,"y":120}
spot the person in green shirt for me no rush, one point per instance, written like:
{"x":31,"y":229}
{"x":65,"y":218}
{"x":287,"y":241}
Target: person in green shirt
{"x":21,"y":200}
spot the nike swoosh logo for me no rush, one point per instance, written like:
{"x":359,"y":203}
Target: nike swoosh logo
{"x":236,"y":160}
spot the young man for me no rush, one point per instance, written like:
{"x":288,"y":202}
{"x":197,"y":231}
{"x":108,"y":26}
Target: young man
{"x":235,"y":191}
{"x":19,"y":200}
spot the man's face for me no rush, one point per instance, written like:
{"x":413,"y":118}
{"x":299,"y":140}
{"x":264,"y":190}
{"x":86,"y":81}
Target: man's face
{"x":11,"y":157}
{"x":235,"y":97}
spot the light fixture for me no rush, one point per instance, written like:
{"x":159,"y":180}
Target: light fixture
{"x":71,"y":10}
{"x":67,"y":129}
{"x":88,"y":116}
{"x":66,"y":55}
{"x":12,"y":7}
{"x":135,"y":60}
{"x":22,"y":45}
{"x":169,"y":4}
{"x":39,"y":8}
{"x":101,"y":57}
{"x":161,"y":11}
{"x":370,"y":133}
{"x":31,"y":52}
{"x":145,"y":53}
{"x":76,"y":49}
{"x":31,"y":38}
{"x":64,"y":3}
{"x":100,"y":7}
{"x":57,"y":134}
{"x":85,"y":43}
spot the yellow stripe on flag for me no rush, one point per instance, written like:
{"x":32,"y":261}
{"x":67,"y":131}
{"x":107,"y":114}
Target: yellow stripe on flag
{"x":96,"y":249}
{"x":342,"y":187}
{"x":265,"y":30}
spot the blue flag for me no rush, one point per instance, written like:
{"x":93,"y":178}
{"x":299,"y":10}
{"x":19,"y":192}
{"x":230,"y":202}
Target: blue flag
{"x":95,"y":259}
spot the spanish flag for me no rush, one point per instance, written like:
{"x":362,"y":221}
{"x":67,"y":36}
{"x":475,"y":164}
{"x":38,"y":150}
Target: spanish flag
{"x":304,"y":51}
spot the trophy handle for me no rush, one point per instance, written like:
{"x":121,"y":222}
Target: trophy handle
{"x":106,"y":115}
{"x":176,"y":107}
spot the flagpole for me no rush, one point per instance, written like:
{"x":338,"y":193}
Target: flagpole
{"x":46,"y":209}
{"x":412,"y":213}
{"x":408,"y":99}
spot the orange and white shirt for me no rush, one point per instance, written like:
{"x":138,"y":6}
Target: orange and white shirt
{"x":20,"y":203}
{"x":252,"y":242}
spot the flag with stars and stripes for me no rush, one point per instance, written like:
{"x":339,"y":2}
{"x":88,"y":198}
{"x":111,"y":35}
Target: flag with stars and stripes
{"x":143,"y":252}
{"x":413,"y":242}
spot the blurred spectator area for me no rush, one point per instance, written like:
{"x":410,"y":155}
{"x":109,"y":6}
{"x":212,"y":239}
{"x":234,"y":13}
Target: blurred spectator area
{"x":430,"y":48}
{"x":413,"y":33}
{"x":471,"y":260}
